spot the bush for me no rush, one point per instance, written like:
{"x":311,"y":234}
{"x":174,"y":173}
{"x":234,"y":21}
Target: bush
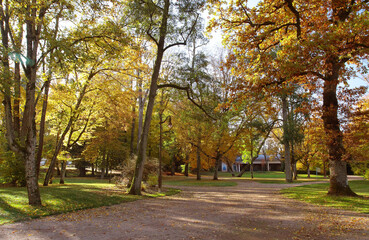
{"x":152,"y":180}
{"x":128,"y":169}
{"x":12,"y":169}
{"x":366,"y":175}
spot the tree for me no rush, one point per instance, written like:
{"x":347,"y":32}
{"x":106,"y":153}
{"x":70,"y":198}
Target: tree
{"x":34,"y":15}
{"x":315,"y":41}
{"x":159,"y":22}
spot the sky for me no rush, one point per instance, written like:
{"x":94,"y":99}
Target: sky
{"x":215,"y":46}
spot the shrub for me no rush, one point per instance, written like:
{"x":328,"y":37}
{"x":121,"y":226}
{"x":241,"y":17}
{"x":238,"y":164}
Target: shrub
{"x":152,"y":180}
{"x":366,"y":175}
{"x":12,"y":169}
{"x":128,"y":169}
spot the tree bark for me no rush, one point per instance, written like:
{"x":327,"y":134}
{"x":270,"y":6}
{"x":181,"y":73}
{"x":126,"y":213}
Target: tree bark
{"x":133,"y":125}
{"x":186,"y":170}
{"x":217,"y":162}
{"x":141,"y":105}
{"x":42,"y":124}
{"x":135,"y":188}
{"x":337,"y":166}
{"x":92,"y":169}
{"x":63,"y":171}
{"x":198,"y":153}
{"x":286,"y":142}
{"x":308,"y":170}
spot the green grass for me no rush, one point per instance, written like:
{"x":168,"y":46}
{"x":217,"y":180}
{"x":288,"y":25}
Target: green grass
{"x":183,"y":181}
{"x":76,"y":194}
{"x":270,"y":177}
{"x":317,"y":194}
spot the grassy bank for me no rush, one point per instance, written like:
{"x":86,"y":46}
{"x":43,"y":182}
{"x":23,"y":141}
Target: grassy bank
{"x":317,"y":194}
{"x":76,"y":194}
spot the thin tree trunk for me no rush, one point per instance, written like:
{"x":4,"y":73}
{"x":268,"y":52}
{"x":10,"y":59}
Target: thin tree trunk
{"x":198,"y":153}
{"x":141,"y":105}
{"x":92,"y":169}
{"x":42,"y":123}
{"x":252,"y":170}
{"x":186,"y":169}
{"x":71,"y":121}
{"x":286,"y":142}
{"x":172,"y":169}
{"x":133,"y":125}
{"x":160,"y":182}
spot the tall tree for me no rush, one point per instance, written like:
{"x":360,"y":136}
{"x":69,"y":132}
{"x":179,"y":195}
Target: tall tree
{"x":315,"y":42}
{"x":163,"y":21}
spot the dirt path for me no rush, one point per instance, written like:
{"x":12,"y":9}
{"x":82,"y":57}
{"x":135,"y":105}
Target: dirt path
{"x":249,"y":210}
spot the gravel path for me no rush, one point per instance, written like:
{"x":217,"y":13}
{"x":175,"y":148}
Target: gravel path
{"x":249,"y":210}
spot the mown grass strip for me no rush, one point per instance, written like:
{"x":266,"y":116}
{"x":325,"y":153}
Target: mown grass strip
{"x":317,"y":194}
{"x":75,"y":195}
{"x":201,"y":183}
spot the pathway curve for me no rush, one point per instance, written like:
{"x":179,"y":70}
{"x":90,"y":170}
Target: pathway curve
{"x":249,"y":210}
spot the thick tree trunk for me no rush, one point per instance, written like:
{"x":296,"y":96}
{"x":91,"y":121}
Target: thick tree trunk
{"x":63,"y":171}
{"x":294,"y":171}
{"x":308,"y":170}
{"x":286,"y":142}
{"x":217,"y":162}
{"x":337,"y":166}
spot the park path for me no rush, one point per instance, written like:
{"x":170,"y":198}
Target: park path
{"x":249,"y":210}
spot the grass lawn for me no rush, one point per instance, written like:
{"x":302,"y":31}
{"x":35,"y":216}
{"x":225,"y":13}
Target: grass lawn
{"x":317,"y":194}
{"x":76,"y":194}
{"x":183,"y":181}
{"x":271,"y":177}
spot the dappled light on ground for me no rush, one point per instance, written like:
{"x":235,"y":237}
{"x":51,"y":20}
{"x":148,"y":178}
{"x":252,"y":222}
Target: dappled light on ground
{"x":249,"y":210}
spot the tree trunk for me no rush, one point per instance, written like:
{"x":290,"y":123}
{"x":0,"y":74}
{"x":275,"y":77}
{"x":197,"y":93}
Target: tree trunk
{"x":92,"y":169}
{"x":133,"y":125}
{"x":286,"y":143}
{"x":198,"y":153}
{"x":63,"y":171}
{"x":173,"y":167}
{"x":252,"y":170}
{"x":17,"y":96}
{"x":308,"y":170}
{"x":217,"y":162}
{"x":294,"y":171}
{"x":186,"y":170}
{"x":160,"y":181}
{"x":58,"y":172}
{"x":135,"y":188}
{"x":337,"y":166}
{"x":141,"y":105}
{"x":42,"y":123}
{"x":107,"y":166}
{"x":71,"y":121}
